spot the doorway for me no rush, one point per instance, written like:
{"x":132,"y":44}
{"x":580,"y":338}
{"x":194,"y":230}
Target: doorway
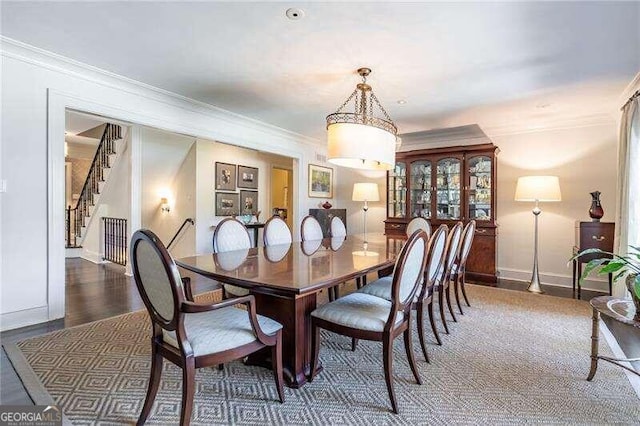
{"x":282,"y":194}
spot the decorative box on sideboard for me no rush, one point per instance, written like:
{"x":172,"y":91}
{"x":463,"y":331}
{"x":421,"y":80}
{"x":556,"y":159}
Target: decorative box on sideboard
{"x":324,"y":216}
{"x":447,"y":185}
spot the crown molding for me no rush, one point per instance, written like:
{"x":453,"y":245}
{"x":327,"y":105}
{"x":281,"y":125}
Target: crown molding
{"x":631,"y":88}
{"x":565,"y":123}
{"x":24,"y":52}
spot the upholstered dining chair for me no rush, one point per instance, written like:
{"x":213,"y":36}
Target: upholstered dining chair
{"x":337,"y":228}
{"x":459,"y":269}
{"x":310,"y":229}
{"x":231,"y":235}
{"x":276,"y":231}
{"x":442,"y":286}
{"x":419,"y":223}
{"x":193,"y":335}
{"x":363,"y":316}
{"x":436,"y":250}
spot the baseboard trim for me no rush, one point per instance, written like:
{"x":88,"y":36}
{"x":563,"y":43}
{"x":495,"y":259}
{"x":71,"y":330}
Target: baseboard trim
{"x":554,"y":279}
{"x":92,"y":257}
{"x":26,"y":317}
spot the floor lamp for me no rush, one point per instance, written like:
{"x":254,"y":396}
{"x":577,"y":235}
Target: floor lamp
{"x":365,"y":192}
{"x":537,"y":189}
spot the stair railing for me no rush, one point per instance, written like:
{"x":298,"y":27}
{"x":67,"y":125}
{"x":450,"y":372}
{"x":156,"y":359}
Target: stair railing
{"x":76,"y":217}
{"x":187,"y":220}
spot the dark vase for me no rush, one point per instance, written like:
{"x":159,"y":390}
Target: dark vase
{"x":596,"y":212}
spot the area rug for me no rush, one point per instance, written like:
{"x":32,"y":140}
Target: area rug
{"x":512,"y":358}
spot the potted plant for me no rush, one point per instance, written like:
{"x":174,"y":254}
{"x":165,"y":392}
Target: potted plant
{"x":627,"y":267}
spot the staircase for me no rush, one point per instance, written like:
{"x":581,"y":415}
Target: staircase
{"x":78,"y":217}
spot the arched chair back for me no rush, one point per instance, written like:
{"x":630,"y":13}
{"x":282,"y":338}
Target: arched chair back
{"x":276,"y":232}
{"x":467,"y":239}
{"x":419,"y":223}
{"x":157,"y":279}
{"x":309,"y":247}
{"x":310,"y":229}
{"x":230,"y":234}
{"x":435,"y":258}
{"x":409,"y":270}
{"x":337,"y":228}
{"x":453,"y":246}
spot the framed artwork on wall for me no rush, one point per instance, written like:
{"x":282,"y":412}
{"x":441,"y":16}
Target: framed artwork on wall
{"x":227,"y":204}
{"x":225,"y":176}
{"x":247,"y":177}
{"x":248,"y":202}
{"x":320,"y":181}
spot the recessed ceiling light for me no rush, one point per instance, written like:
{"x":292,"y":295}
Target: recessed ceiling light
{"x":401,"y":102}
{"x":294,"y":13}
{"x":542,"y":106}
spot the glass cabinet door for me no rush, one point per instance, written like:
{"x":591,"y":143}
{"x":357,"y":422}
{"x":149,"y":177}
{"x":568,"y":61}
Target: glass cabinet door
{"x":420,"y":186}
{"x":448,"y":189}
{"x":480,"y":187}
{"x":397,"y":191}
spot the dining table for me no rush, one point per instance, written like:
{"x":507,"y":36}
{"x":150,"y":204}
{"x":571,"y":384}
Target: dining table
{"x":286,"y":280}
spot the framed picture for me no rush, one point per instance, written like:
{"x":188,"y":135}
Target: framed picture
{"x":227,"y":204}
{"x":248,"y":202}
{"x":247,"y":177}
{"x":320,"y":181}
{"x":225,"y":177}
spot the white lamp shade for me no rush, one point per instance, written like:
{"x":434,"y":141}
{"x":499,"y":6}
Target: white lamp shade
{"x":538,"y":188}
{"x":359,"y":146}
{"x":365,"y":192}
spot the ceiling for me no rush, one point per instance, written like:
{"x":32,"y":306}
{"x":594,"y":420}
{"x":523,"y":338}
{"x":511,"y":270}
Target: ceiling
{"x":501,"y":65}
{"x":78,"y":123}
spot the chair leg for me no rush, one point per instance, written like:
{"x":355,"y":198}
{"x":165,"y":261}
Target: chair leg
{"x":188,"y":389}
{"x":387,"y":355}
{"x":464,"y":293}
{"x":433,"y":324}
{"x":336,"y":292}
{"x":330,"y":294}
{"x":358,"y":283}
{"x":154,"y":383}
{"x":420,"y":312}
{"x":448,"y":296}
{"x":456,"y":285}
{"x":408,"y":347}
{"x":315,"y":349}
{"x":276,"y":361}
{"x":220,"y":367}
{"x":441,"y":306}
{"x":354,"y":344}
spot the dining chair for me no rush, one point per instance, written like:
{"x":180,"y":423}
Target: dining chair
{"x":444,"y":279}
{"x":310,"y":229}
{"x":231,"y":235}
{"x":193,"y":335}
{"x":276,"y":232}
{"x":434,"y":263}
{"x":337,"y":228}
{"x":363,"y":316}
{"x":459,"y":269}
{"x":419,"y":223}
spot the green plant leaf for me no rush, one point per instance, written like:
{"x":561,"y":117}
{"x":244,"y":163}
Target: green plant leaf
{"x":611,"y":267}
{"x":591,"y":266}
{"x":636,"y":286}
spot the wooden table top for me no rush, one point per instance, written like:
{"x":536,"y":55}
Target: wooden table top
{"x":301,"y":267}
{"x":621,"y":310}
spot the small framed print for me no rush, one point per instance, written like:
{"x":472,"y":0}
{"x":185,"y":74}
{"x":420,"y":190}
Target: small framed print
{"x":320,"y":181}
{"x":247,"y":177}
{"x":248,"y":202}
{"x":225,"y":176}
{"x":227,"y":204}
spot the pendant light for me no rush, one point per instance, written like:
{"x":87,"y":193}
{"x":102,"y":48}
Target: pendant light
{"x":360,"y":139}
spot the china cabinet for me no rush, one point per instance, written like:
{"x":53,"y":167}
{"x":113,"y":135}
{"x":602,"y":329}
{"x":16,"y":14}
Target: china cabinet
{"x":446,"y":185}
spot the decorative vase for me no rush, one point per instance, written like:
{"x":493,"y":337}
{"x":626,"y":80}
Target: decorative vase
{"x":596,"y":212}
{"x":326,"y":205}
{"x":630,"y":281}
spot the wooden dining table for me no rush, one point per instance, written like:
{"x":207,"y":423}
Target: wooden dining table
{"x":286,"y":279}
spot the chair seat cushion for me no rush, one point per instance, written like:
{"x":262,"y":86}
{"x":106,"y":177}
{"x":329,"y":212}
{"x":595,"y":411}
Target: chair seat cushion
{"x":358,"y":310}
{"x":379,"y":288}
{"x":220,"y":330}
{"x":235,"y":290}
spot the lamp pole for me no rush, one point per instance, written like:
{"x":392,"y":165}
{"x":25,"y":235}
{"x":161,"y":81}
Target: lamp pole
{"x":364,"y":209}
{"x":534,"y":286}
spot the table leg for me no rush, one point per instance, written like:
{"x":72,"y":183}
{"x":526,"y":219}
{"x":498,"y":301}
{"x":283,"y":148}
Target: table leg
{"x":595,"y":333}
{"x":610,"y":284}
{"x":579,"y":274}
{"x":294,"y":313}
{"x":573,"y":280}
{"x":255,"y":237}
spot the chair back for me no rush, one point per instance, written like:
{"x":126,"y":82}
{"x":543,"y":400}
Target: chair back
{"x":230,"y":235}
{"x":467,"y":239}
{"x":453,"y":246}
{"x":408,"y":272}
{"x":419,"y":223}
{"x":337,"y":228}
{"x":157,"y":279}
{"x":276,"y":252}
{"x":309,"y":247}
{"x":435,"y":258}
{"x":276,"y":232}
{"x":310,"y":229}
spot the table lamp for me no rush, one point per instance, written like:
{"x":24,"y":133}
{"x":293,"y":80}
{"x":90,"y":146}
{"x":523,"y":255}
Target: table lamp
{"x":366,"y":192}
{"x":537,"y":189}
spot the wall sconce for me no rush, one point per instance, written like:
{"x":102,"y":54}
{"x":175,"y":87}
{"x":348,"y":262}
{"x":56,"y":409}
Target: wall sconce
{"x":164,"y":205}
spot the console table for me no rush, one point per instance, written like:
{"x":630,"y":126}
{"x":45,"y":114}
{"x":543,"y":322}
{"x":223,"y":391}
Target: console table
{"x":620,"y":310}
{"x":324,"y":216}
{"x":591,"y":235}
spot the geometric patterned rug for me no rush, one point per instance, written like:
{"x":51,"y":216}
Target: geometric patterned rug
{"x":514,"y":357}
